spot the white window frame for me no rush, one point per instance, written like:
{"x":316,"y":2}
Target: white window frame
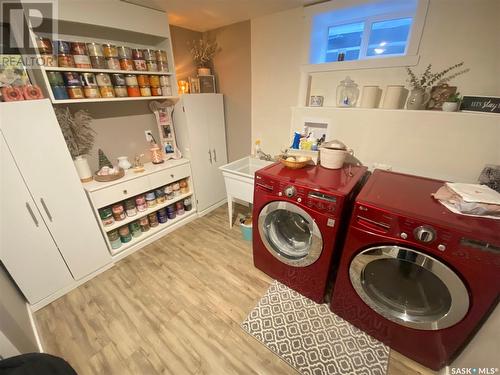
{"x":410,"y":58}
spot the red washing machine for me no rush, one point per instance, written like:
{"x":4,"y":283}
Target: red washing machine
{"x":413,"y":274}
{"x":296,"y":218}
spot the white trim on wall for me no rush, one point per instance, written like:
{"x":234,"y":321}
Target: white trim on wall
{"x":409,"y":59}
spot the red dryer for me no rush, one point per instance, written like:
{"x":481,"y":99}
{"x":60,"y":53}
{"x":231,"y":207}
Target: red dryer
{"x":296,"y":218}
{"x":413,"y":274}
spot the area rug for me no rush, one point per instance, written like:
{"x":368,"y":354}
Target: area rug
{"x":312,"y":339}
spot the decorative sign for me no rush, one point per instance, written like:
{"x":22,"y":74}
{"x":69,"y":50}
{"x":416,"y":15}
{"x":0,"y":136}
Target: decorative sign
{"x":490,"y":104}
{"x":207,"y":84}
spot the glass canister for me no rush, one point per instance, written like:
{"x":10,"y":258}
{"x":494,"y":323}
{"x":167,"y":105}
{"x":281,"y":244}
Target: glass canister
{"x":153,"y":220}
{"x":347,"y":93}
{"x":144,"y":223}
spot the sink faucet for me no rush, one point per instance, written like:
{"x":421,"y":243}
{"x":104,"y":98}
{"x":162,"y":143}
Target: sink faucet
{"x":263,"y":156}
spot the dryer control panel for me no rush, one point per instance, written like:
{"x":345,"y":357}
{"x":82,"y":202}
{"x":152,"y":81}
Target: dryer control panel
{"x":308,"y":197}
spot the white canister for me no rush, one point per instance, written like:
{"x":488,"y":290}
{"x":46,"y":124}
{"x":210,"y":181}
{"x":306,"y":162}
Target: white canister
{"x":333,"y":158}
{"x":370,"y":97}
{"x":83,"y":169}
{"x":394,"y":97}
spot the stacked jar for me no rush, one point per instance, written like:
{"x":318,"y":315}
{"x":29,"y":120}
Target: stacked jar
{"x":161,"y":60}
{"x":80,"y":55}
{"x":64,"y":56}
{"x":96,"y":55}
{"x":125,"y":56}
{"x":46,"y":51}
{"x":144,"y":85}
{"x":132,"y":85}
{"x":139,"y":60}
{"x":90,"y":87}
{"x":73,"y":84}
{"x":154,"y":81}
{"x":150,"y":57}
{"x":111,"y":55}
{"x":105,"y":85}
{"x":119,"y":84}
{"x":57,"y":85}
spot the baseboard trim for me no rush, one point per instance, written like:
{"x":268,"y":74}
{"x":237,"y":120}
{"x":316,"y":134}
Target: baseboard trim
{"x":34,"y":328}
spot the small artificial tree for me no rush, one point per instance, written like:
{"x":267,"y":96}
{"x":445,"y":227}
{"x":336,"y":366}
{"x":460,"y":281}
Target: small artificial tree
{"x":203,"y":52}
{"x":103,"y":160}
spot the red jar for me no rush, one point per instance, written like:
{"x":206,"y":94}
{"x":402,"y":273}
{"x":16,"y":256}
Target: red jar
{"x":133,"y":91}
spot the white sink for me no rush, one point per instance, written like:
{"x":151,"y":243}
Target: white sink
{"x":239,"y":177}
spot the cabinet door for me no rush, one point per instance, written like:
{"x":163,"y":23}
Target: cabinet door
{"x":202,"y":158}
{"x":217,"y":136}
{"x":26,"y":247}
{"x":36,"y":142}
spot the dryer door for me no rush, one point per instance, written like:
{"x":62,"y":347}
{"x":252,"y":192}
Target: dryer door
{"x":408,"y":287}
{"x":290,"y":234}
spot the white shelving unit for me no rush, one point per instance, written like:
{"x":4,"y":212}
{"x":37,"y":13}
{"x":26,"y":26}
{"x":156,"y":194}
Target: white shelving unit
{"x":109,"y":71}
{"x":104,"y":194}
{"x":102,"y":100}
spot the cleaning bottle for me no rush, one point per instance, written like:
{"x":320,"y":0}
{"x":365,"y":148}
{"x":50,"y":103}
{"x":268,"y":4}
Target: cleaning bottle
{"x":256,"y":148}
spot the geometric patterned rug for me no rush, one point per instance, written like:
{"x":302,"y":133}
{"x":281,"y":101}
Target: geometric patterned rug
{"x":312,"y":339}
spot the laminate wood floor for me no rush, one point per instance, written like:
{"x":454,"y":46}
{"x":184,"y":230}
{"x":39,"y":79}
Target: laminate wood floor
{"x":173,"y":307}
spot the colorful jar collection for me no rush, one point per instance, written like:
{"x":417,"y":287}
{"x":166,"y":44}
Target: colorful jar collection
{"x":133,"y":207}
{"x":74,"y":85}
{"x":101,"y":56}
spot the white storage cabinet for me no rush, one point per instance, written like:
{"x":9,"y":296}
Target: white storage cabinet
{"x":201,"y":136}
{"x":50,"y":237}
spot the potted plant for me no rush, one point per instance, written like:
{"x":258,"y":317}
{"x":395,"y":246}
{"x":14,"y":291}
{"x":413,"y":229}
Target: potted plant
{"x":79,"y":137}
{"x":203,"y":52}
{"x":419,"y":84}
{"x":452,"y":103}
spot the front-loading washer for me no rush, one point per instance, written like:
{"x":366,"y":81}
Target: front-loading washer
{"x":297,"y":214}
{"x":413,"y":274}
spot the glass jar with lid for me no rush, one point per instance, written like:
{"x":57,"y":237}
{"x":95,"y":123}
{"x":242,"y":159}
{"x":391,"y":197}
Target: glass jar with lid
{"x":347,"y":93}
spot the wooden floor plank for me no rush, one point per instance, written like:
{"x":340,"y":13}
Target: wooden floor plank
{"x":174,"y":307}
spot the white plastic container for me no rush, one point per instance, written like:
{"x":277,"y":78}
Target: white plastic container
{"x":333,"y":154}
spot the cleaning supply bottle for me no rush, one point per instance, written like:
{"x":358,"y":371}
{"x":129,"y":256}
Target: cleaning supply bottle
{"x":256,"y":148}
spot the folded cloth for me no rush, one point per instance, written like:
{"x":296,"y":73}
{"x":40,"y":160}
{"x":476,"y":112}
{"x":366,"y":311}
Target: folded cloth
{"x":469,"y":199}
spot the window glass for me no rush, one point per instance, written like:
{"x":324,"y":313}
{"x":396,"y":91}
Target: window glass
{"x":344,"y":39}
{"x":389,"y":37}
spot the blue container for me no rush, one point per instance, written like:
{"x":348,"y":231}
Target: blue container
{"x":246,"y":231}
{"x":59,"y":92}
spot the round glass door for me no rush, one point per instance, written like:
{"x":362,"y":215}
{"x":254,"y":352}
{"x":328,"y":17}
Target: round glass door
{"x":408,"y":287}
{"x":290,"y":234}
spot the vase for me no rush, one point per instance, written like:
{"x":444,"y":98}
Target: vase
{"x":83,"y":169}
{"x":417,"y":99}
{"x":394,"y":97}
{"x":204,"y":71}
{"x":123,"y":163}
{"x":450,"y":106}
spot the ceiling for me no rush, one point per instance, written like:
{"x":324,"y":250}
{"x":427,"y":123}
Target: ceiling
{"x":203,"y":15}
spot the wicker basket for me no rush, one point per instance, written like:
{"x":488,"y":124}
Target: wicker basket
{"x":110,"y":177}
{"x":295,"y":164}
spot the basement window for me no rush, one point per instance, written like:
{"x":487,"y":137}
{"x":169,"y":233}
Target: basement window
{"x":368,"y":30}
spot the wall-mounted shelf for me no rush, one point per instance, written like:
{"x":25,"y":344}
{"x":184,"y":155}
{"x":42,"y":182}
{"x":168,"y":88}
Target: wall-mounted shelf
{"x":109,"y":71}
{"x":124,"y":99}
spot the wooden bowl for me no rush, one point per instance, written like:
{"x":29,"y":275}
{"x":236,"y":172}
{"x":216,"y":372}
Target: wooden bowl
{"x":295,"y":164}
{"x":110,"y":177}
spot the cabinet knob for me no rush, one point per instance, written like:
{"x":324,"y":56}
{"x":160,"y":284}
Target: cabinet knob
{"x":125,"y":191}
{"x":171,"y":176}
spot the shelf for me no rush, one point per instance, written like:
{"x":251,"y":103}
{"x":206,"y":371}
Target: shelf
{"x":407,"y":111}
{"x":105,"y":100}
{"x":152,"y":231}
{"x":109,"y":71}
{"x":140,"y":214}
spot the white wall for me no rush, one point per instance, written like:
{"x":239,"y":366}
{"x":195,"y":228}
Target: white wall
{"x":455,"y":30}
{"x":443,"y":145}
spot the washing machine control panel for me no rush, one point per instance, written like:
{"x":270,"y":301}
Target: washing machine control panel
{"x":290,"y":191}
{"x":424,"y":234}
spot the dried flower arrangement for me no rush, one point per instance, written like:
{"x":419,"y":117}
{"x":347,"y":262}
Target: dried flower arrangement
{"x":203,"y":52}
{"x":428,"y":79}
{"x":78,"y":134}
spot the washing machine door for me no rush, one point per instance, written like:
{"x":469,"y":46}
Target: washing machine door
{"x":408,"y":287}
{"x":290,"y":234}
